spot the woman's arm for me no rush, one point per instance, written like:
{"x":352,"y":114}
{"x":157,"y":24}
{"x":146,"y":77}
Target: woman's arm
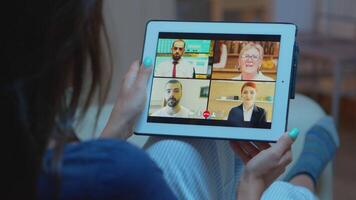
{"x":230,"y":115}
{"x":129,"y":104}
{"x":262,"y":122}
{"x":264,"y":163}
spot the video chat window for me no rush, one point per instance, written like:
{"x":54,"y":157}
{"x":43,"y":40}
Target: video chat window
{"x":183,"y":94}
{"x":214,"y":79}
{"x":236,"y":59}
{"x":188,"y":58}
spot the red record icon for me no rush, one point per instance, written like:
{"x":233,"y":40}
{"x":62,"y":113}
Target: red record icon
{"x":206,"y":114}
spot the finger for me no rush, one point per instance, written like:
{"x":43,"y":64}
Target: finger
{"x":286,"y":158}
{"x":144,"y":75}
{"x":262,"y":145}
{"x":249,"y":148}
{"x":283,"y":144}
{"x":131,"y":75}
{"x":237,"y":149}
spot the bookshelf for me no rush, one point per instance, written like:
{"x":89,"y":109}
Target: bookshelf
{"x":270,"y":49}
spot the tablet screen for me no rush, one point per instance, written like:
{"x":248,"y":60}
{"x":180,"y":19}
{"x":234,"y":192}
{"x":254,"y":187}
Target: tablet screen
{"x":214,"y":79}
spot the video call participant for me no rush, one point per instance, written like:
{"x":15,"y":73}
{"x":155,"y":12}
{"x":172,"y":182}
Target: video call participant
{"x":177,"y":66}
{"x":248,"y":114}
{"x":250,"y":62}
{"x":173,"y":94}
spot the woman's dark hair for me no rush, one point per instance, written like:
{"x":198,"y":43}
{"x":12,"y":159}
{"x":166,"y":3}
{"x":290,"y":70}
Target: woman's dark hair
{"x":50,"y":46}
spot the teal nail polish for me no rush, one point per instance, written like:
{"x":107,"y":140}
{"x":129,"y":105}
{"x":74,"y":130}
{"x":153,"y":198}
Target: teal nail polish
{"x":293,"y":133}
{"x":147,"y":62}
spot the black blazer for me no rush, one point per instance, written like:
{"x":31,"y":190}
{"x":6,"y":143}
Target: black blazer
{"x":258,"y":118}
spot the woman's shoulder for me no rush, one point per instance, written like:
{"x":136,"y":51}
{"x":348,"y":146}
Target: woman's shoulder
{"x":236,"y":108}
{"x":262,"y":77}
{"x":260,"y":109}
{"x":103,"y":153}
{"x":103,"y":145}
{"x":104,"y":168}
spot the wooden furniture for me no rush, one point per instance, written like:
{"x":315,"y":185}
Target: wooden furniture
{"x":248,"y":10}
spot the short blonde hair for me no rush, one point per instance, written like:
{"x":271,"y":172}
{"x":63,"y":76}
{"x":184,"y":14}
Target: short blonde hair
{"x":251,"y":45}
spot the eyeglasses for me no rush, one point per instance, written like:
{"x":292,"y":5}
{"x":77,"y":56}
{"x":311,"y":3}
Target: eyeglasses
{"x":178,"y":48}
{"x":246,"y":56}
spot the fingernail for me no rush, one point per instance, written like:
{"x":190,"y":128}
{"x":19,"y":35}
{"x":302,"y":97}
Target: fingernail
{"x":147,"y":62}
{"x":293,"y":133}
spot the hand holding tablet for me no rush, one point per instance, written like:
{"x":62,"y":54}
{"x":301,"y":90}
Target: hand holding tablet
{"x":191,"y":93}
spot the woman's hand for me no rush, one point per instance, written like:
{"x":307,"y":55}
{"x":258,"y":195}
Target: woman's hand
{"x":264,"y":164}
{"x":130,"y":102}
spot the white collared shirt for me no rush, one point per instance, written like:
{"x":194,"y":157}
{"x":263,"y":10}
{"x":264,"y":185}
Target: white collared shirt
{"x":184,"y":69}
{"x":247,"y":114}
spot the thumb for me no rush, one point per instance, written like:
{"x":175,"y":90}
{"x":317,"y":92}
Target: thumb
{"x":144,"y":74}
{"x":131,"y":75}
{"x":285,"y":142}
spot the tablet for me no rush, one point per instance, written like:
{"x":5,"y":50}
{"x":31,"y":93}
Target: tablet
{"x":218,"y":79}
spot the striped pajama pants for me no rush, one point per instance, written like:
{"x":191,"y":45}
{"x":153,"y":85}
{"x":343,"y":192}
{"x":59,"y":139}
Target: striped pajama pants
{"x":209,"y":169}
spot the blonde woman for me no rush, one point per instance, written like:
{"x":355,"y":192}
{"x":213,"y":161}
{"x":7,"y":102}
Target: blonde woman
{"x":250,"y":62}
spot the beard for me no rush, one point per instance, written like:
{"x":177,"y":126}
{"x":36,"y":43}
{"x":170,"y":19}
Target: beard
{"x":172,"y":102}
{"x":176,"y":57}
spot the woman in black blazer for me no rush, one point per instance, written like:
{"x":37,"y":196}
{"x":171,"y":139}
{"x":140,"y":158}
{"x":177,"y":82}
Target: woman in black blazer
{"x":248,"y":114}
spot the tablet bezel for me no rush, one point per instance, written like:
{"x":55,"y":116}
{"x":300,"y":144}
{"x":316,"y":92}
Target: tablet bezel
{"x":279,"y":121}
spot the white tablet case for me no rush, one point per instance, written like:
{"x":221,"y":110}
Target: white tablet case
{"x":281,"y":100}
